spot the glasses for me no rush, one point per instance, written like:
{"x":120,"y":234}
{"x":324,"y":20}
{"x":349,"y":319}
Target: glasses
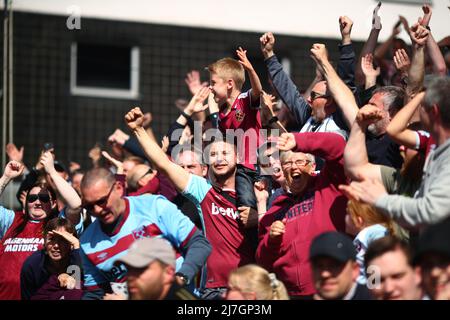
{"x":150,"y":171}
{"x":298,"y":163}
{"x":100,"y":202}
{"x":314,"y":95}
{"x":43,"y":197}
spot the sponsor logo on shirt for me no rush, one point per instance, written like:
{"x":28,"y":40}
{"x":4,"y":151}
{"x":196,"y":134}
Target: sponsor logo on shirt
{"x":22,"y":244}
{"x":229,"y":212}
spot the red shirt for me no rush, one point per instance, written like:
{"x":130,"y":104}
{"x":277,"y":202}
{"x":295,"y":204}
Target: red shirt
{"x":244,"y":115}
{"x":321,"y":208}
{"x":14,"y":250}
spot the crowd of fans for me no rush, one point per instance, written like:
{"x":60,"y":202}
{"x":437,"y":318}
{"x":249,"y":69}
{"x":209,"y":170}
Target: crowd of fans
{"x":339,"y":191}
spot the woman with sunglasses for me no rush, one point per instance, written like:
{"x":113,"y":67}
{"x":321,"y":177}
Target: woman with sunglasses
{"x":44,"y":274}
{"x":21,"y":232}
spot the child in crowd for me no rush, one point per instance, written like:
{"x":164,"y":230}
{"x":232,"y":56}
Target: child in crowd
{"x":366,"y":224}
{"x":238,"y":110}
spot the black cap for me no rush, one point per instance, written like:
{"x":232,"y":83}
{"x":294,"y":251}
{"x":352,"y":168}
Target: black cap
{"x":335,"y":245}
{"x":436,"y":238}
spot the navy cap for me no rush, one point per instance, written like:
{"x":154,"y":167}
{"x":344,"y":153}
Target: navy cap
{"x":335,"y":245}
{"x":436,"y":239}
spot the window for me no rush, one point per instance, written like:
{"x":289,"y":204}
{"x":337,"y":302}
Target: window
{"x":104,"y":71}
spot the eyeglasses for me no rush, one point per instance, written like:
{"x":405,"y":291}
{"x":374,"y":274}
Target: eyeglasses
{"x":100,"y":202}
{"x":149,"y":171}
{"x":314,"y":95}
{"x":43,"y":197}
{"x":298,"y":163}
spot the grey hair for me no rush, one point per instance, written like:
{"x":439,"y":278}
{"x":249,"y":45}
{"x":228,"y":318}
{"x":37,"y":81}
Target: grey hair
{"x":393,"y":98}
{"x":438,"y":93}
{"x":284,"y":155}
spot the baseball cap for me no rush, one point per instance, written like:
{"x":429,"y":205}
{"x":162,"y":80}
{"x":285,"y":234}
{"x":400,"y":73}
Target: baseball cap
{"x":334,"y":245}
{"x":144,"y":251}
{"x":436,"y":238}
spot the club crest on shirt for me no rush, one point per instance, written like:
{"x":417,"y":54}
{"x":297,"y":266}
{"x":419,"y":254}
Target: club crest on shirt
{"x":239,"y":115}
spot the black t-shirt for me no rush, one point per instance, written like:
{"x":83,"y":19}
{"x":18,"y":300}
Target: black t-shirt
{"x":383,"y":150}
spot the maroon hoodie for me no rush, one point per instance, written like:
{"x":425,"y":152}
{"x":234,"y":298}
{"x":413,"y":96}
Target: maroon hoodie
{"x":321,"y":208}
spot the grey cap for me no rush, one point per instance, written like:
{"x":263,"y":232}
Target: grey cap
{"x":144,"y":251}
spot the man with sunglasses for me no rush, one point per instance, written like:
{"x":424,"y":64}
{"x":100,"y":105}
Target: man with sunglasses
{"x":311,"y":205}
{"x":317,"y":113}
{"x":121,"y":220}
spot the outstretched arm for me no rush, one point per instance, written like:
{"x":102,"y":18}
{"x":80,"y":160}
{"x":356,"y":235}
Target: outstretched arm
{"x":369,"y":45}
{"x":416,"y":73}
{"x":341,"y":93}
{"x":282,"y":83}
{"x":154,"y":153}
{"x":68,"y":194}
{"x":397,"y":128}
{"x":253,"y":76}
{"x":432,"y":47}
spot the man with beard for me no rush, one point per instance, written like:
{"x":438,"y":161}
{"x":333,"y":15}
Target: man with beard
{"x":224,"y":226}
{"x":431,"y":202}
{"x":312,"y":205}
{"x":357,"y":164}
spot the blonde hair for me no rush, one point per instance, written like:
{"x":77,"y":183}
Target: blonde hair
{"x":369,"y":215}
{"x":253,"y":278}
{"x":228,"y":68}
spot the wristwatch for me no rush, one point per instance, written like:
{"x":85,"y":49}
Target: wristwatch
{"x":183,"y":278}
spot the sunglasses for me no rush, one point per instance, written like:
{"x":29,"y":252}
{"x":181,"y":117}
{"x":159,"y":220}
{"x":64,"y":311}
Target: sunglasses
{"x":43,"y":197}
{"x":100,"y":202}
{"x":314,"y":95}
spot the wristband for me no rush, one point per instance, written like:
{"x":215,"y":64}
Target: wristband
{"x":184,"y":114}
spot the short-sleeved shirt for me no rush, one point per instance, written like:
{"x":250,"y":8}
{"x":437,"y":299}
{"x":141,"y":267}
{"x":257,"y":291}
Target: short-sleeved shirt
{"x":244,"y":115}
{"x":395,"y":183}
{"x":145,"y":216}
{"x":230,"y":248}
{"x":15,"y":248}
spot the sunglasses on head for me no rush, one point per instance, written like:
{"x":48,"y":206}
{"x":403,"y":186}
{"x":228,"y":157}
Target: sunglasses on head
{"x":43,"y":197}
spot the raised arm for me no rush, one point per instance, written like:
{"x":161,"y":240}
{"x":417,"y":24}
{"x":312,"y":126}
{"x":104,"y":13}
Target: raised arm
{"x":370,"y":73}
{"x":416,"y":73}
{"x":13,"y":170}
{"x":282,"y":83}
{"x":68,"y":194}
{"x":369,"y":45}
{"x":346,"y":64}
{"x":340,"y":92}
{"x":252,"y":75}
{"x":154,"y":153}
{"x":432,"y":47}
{"x":356,"y":161}
{"x":397,"y":128}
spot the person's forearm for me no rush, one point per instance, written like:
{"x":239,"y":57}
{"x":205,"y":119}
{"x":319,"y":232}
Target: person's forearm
{"x":3,"y":183}
{"x":439,"y":67}
{"x":65,"y":190}
{"x":196,"y":251}
{"x":382,"y":49}
{"x":397,"y":128}
{"x":355,"y":153}
{"x":346,"y":65}
{"x":369,"y":47}
{"x":261,"y":206}
{"x":255,"y":83}
{"x":287,"y":91}
{"x":341,"y":93}
{"x":416,"y":72}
